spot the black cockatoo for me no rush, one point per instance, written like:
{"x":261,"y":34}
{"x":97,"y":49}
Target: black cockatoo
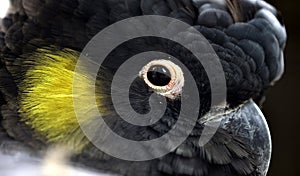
{"x":41,"y":41}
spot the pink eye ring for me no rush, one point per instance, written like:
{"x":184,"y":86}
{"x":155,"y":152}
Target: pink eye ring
{"x":163,"y":77}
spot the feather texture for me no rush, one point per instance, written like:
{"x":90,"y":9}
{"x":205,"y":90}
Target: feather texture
{"x":248,"y":37}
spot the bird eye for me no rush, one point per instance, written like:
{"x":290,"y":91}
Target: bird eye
{"x":159,"y":75}
{"x":164,"y":77}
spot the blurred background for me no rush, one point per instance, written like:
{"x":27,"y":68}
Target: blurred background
{"x":282,"y":101}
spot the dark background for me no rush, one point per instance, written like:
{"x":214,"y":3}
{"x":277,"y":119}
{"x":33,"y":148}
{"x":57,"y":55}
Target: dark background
{"x":283,"y":99}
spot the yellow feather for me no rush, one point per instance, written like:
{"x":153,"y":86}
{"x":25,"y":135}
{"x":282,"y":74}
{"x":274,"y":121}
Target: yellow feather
{"x":46,"y":99}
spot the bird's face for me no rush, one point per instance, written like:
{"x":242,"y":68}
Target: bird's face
{"x":51,"y":84}
{"x":50,"y":96}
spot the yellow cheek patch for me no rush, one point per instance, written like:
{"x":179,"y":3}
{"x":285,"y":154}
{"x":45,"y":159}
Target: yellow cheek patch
{"x":46,"y":99}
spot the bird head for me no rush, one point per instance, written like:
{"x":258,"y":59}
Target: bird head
{"x":47,"y":48}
